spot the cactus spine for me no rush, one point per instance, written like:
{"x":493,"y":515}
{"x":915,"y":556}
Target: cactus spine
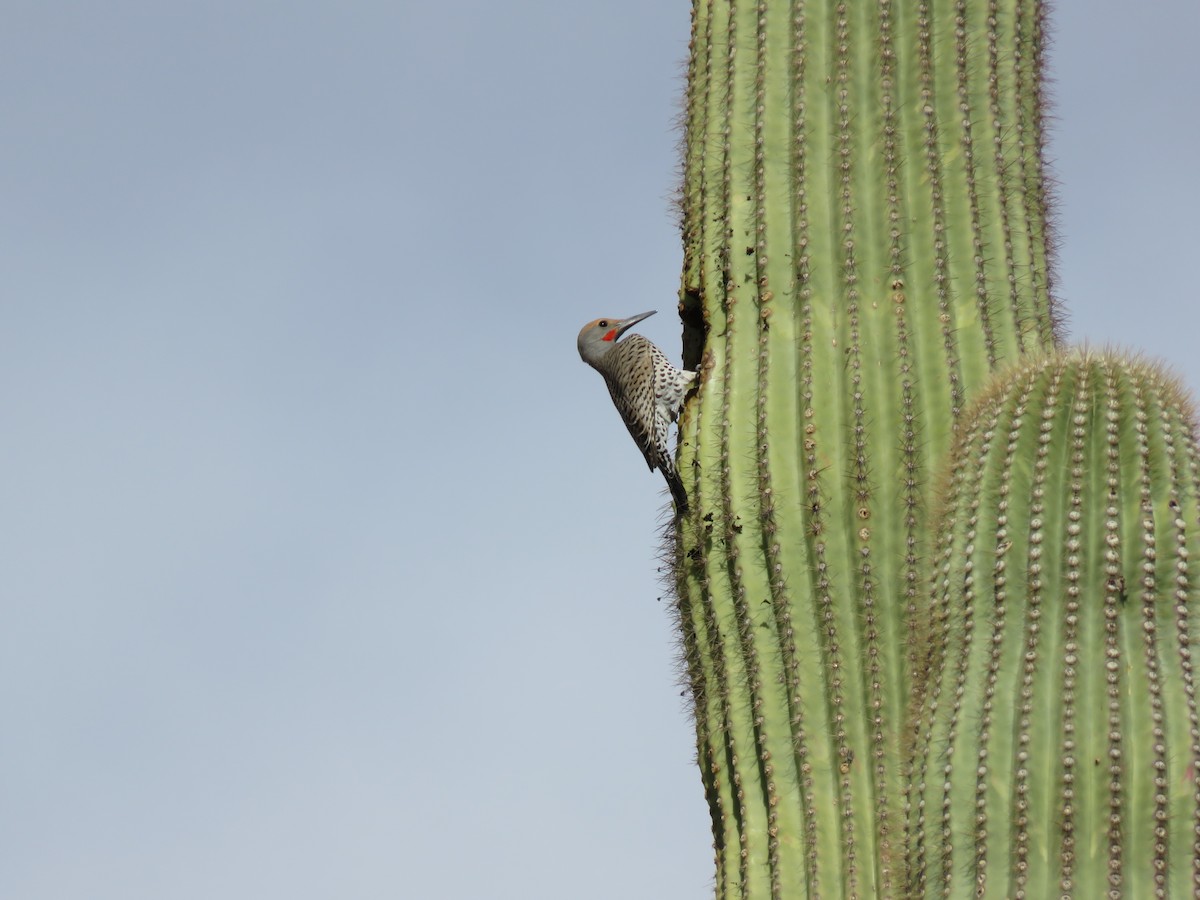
{"x":865,"y":234}
{"x":1061,"y":735}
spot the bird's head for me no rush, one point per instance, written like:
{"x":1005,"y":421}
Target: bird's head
{"x":598,"y":337}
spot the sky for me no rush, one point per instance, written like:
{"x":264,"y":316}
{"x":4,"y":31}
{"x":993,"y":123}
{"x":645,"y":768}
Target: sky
{"x":328,"y":570}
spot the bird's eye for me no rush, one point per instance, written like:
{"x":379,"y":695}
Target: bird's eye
{"x":603,"y":323}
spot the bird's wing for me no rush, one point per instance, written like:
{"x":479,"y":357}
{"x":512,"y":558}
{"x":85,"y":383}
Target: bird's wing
{"x":637,"y":430}
{"x":632,"y":407}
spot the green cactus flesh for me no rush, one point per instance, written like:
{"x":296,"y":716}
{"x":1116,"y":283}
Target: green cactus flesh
{"x":1062,"y":742}
{"x":865,"y":234}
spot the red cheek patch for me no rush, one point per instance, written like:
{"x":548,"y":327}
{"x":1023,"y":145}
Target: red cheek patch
{"x":611,"y":336}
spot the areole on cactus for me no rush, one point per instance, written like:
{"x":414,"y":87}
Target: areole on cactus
{"x":864,"y":212}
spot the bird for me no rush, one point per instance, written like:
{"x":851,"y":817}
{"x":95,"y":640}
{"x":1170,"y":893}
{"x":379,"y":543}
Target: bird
{"x":647,"y":390}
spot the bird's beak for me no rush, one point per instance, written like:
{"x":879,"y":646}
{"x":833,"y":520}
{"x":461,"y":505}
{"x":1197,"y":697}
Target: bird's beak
{"x":625,"y":324}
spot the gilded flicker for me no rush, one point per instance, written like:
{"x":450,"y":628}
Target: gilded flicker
{"x":647,"y":390}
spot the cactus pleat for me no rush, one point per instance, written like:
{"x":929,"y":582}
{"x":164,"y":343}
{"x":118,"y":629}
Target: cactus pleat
{"x":1061,"y":747}
{"x":865,"y":236}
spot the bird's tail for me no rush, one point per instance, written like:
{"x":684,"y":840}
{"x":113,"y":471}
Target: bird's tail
{"x":675,"y":483}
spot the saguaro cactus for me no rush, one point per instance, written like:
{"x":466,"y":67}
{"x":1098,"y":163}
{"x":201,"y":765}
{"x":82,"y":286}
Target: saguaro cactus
{"x":865,"y":232}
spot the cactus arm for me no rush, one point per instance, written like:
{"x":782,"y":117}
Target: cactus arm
{"x":1062,"y":751}
{"x":1183,"y":468}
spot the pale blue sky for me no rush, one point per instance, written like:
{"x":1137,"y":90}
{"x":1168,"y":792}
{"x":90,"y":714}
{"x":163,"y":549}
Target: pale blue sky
{"x":328,"y":571}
